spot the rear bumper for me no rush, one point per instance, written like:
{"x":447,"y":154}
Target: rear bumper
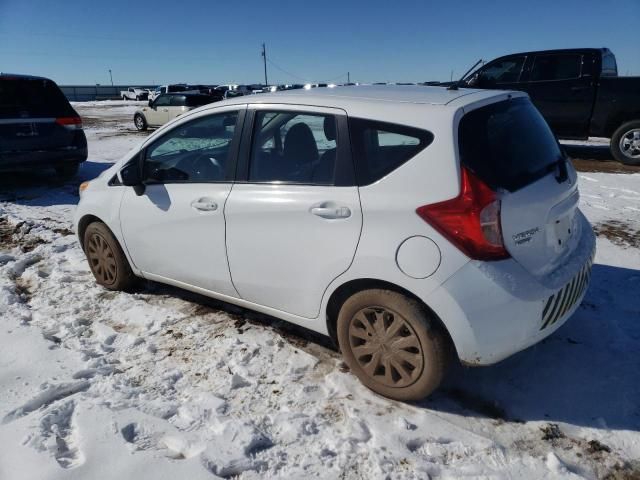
{"x":496,"y":309}
{"x":32,"y":159}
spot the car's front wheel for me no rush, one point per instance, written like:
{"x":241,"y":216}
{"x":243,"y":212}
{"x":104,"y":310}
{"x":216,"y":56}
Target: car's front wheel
{"x":140,"y":122}
{"x":392,"y":344}
{"x":625,"y":143}
{"x":107,"y":261}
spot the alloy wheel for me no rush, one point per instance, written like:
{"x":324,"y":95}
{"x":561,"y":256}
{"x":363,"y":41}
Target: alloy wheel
{"x":101,"y":259}
{"x":386,"y":347}
{"x":630,"y":144}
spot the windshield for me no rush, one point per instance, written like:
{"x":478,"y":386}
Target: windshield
{"x":508,"y":144}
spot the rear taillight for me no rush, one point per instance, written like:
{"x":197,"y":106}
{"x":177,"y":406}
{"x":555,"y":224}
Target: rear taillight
{"x":471,"y":221}
{"x":72,"y":123}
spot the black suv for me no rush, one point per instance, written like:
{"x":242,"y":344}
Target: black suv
{"x":38,"y":127}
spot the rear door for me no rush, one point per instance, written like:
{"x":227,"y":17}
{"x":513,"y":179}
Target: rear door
{"x":293,"y":217}
{"x":510,"y":147}
{"x":562,"y":87}
{"x":32,"y":116}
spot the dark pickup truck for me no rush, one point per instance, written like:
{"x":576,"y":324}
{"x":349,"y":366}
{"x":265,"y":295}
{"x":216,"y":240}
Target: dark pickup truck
{"x":578,"y":91}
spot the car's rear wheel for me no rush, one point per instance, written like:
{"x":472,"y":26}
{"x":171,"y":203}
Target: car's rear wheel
{"x":107,"y":261}
{"x":67,"y":171}
{"x":625,"y":143}
{"x":140,"y":122}
{"x":123,"y":97}
{"x":391,"y":343}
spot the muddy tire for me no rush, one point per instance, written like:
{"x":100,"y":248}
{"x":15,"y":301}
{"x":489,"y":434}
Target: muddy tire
{"x":67,"y":171}
{"x":106,"y":259}
{"x":140,"y":122}
{"x":625,"y":143}
{"x":391,"y":343}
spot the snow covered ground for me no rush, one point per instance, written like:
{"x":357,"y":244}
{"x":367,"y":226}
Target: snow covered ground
{"x":166,"y":384}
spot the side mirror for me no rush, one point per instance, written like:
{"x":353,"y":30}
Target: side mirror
{"x":131,"y":177}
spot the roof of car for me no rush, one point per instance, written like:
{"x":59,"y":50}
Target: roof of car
{"x":23,"y":76}
{"x":337,"y":96}
{"x":602,"y":50}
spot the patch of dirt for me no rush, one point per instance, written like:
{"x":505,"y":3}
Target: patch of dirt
{"x":17,"y":236}
{"x":596,"y":158}
{"x":624,"y":471}
{"x":62,"y":231}
{"x":619,"y":233}
{"x":23,"y":289}
{"x":551,"y":432}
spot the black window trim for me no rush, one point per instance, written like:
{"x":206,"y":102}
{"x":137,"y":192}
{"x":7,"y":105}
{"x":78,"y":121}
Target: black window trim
{"x":233,"y":149}
{"x":533,"y":64}
{"x":345,"y":175}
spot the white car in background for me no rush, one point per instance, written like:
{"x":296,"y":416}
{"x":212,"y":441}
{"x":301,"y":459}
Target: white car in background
{"x":168,"y":106}
{"x":167,"y":89}
{"x":407,"y":223}
{"x":134,"y":93}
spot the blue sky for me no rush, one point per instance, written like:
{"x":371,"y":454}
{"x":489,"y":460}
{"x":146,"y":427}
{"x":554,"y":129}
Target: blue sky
{"x":77,"y":42}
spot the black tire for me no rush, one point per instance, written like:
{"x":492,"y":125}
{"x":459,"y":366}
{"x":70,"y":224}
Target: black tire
{"x":67,"y":171}
{"x":137,"y":98}
{"x":391,"y":343}
{"x":107,"y":261}
{"x":625,"y":133}
{"x":140,"y":122}
{"x":123,"y":97}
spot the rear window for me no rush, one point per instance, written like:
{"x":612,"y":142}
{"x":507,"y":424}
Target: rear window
{"x":197,"y":100}
{"x":381,"y":147}
{"x":556,"y":67}
{"x":23,"y":98}
{"x":508,"y":144}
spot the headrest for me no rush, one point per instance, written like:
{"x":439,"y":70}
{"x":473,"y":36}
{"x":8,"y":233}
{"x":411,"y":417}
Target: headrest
{"x":330,"y":128}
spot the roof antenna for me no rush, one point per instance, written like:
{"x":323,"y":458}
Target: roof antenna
{"x":457,"y":83}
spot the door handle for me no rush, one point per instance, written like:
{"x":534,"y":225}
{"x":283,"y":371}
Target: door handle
{"x":331,"y":212}
{"x":204,"y":205}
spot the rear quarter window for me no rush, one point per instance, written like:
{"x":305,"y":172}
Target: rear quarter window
{"x":380,"y":147}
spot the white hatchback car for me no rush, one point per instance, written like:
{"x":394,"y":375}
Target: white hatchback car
{"x":405,"y":222}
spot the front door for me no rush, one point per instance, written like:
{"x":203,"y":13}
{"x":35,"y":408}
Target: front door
{"x":294,"y":223}
{"x":176,"y":229}
{"x":158,"y":113}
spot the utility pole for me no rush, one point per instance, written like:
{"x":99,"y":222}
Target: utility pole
{"x":264,"y":60}
{"x":111,"y":77}
{"x":451,"y":76}
{"x":348,"y":77}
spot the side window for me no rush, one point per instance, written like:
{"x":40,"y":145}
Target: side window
{"x":504,"y":71}
{"x":556,"y":67}
{"x":293,"y":147}
{"x":381,"y":147}
{"x":609,"y":67}
{"x":177,"y":101}
{"x":163,"y":89}
{"x":162,"y":101}
{"x":194,"y":152}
